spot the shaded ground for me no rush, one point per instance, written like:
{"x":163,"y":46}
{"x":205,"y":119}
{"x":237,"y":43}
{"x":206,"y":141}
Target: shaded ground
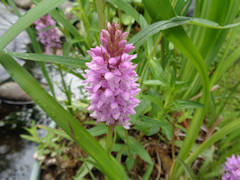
{"x":15,"y":155}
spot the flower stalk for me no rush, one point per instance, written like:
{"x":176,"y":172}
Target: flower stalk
{"x":110,"y":139}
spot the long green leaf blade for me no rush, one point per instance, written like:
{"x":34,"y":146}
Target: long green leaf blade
{"x":65,"y":60}
{"x":143,"y":35}
{"x":224,"y":65}
{"x":188,"y":170}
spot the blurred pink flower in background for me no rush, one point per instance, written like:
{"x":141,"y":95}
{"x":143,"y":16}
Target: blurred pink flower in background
{"x":47,"y":33}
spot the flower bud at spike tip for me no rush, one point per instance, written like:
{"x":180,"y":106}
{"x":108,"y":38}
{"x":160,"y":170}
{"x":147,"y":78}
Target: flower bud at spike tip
{"x":114,"y":83}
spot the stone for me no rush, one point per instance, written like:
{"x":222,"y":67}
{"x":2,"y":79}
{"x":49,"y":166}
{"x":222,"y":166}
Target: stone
{"x":48,"y":176}
{"x":23,"y":3}
{"x":4,"y":149}
{"x":12,"y":91}
{"x":7,"y":19}
{"x":67,"y":7}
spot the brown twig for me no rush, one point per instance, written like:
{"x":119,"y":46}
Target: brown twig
{"x":212,"y":129}
{"x":173,"y":138}
{"x":158,"y":166}
{"x":214,"y":88}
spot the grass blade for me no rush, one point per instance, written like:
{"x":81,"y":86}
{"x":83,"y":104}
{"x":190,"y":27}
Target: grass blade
{"x":188,"y":170}
{"x":65,"y":60}
{"x":224,"y":65}
{"x":143,"y":35}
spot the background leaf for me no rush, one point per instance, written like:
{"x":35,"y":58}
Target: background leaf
{"x":65,"y":60}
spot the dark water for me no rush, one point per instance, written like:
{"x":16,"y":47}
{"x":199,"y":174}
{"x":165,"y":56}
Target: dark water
{"x":16,"y":154}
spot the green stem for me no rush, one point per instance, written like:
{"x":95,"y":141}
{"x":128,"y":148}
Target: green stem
{"x":66,"y":90}
{"x":109,"y":139}
{"x":143,"y":73}
{"x":149,"y":58}
{"x":156,"y":45}
{"x":126,"y":136}
{"x":47,"y":77}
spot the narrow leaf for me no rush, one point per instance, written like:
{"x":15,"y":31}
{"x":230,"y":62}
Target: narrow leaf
{"x":154,"y":83}
{"x":154,"y":28}
{"x":51,"y":58}
{"x":188,"y":170}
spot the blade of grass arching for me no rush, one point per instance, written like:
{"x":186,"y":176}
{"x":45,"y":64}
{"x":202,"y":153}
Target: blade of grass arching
{"x":188,"y":170}
{"x":227,"y":129}
{"x":154,"y":28}
{"x":27,"y":19}
{"x":65,"y":60}
{"x":224,"y":65}
{"x":36,"y":47}
{"x":160,"y":10}
{"x":109,"y":166}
